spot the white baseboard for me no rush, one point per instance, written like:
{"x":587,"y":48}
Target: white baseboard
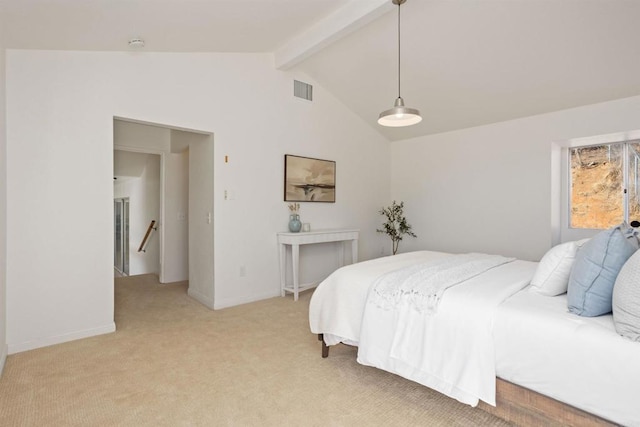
{"x":224,"y":303}
{"x":59,"y":339}
{"x":201,"y":298}
{"x":3,"y":357}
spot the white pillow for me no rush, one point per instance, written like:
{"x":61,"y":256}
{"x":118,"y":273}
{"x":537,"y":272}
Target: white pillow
{"x":552,"y":275}
{"x":626,"y":299}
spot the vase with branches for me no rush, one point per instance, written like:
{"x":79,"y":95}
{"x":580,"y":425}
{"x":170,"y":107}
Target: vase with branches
{"x":396,"y":224}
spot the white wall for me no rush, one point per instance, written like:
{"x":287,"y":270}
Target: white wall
{"x":3,"y":201}
{"x":201,"y":218}
{"x":176,"y":211}
{"x":144,"y":138}
{"x":128,"y":164}
{"x":256,"y":120}
{"x":489,"y":188}
{"x":144,"y":206}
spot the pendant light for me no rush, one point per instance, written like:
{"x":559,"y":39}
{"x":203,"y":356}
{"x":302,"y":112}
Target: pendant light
{"x":399,"y":115}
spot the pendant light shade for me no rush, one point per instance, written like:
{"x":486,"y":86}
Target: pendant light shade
{"x":399,"y":115}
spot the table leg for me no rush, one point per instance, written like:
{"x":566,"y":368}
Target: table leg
{"x":283,"y":266}
{"x":295,"y":257}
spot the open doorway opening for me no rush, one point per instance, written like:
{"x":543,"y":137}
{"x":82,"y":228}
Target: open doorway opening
{"x":136,"y":192}
{"x":184,"y":192}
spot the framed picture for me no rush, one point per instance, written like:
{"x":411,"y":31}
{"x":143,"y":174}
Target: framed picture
{"x":309,"y":180}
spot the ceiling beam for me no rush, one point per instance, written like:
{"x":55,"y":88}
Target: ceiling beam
{"x":347,"y":19}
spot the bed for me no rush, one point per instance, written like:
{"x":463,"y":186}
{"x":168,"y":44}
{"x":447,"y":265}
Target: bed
{"x":573,"y":359}
{"x":471,"y":341}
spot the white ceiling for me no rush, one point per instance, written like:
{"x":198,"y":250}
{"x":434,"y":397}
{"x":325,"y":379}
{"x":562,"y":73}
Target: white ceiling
{"x":465,"y":62}
{"x":166,"y":25}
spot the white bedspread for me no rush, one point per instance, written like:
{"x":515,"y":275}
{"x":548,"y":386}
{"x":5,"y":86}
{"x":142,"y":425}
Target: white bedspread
{"x":337,"y":304}
{"x":452,"y":351}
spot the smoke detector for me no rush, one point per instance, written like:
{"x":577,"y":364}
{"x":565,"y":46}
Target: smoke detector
{"x":136,"y":43}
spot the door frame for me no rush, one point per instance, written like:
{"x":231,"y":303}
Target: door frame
{"x":124,"y":234}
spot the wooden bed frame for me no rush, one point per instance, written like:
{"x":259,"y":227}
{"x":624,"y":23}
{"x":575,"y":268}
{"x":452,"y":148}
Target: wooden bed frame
{"x":525,"y":407}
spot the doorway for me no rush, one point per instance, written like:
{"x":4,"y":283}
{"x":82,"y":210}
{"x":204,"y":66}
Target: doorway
{"x":121,"y":236}
{"x":185,"y":187}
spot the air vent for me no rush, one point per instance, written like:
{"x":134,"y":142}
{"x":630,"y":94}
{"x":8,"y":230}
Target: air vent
{"x":303,"y":90}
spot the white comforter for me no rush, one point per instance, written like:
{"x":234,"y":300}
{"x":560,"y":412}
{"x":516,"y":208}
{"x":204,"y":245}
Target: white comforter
{"x":337,"y":304}
{"x":450,"y":351}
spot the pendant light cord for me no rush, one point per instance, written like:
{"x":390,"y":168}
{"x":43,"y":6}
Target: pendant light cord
{"x":399,"y":50}
{"x":399,"y":115}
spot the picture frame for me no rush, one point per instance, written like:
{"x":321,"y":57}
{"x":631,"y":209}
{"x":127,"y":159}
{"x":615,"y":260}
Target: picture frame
{"x":309,"y":180}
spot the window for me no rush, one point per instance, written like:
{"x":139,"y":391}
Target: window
{"x":604,"y":184}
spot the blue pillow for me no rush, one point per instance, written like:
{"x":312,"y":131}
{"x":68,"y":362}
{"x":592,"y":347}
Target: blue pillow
{"x":595,"y":269}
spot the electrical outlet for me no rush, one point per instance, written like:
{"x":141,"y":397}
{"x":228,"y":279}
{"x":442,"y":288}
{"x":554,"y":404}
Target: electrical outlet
{"x":243,"y":271}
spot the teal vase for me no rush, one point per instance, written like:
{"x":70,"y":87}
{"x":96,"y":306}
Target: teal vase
{"x":294,"y":223}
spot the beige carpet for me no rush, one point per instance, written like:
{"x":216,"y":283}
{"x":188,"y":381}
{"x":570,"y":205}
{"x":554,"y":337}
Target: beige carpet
{"x":173,"y":362}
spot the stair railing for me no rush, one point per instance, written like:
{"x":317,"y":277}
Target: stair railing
{"x":150,"y":229}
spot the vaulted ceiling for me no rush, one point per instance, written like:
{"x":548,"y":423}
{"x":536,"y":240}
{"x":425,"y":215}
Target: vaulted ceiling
{"x":464,"y":62}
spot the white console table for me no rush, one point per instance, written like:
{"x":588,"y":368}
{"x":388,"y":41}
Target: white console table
{"x":308,"y":238}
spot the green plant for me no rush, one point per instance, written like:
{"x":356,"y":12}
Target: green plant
{"x":396,"y":225}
